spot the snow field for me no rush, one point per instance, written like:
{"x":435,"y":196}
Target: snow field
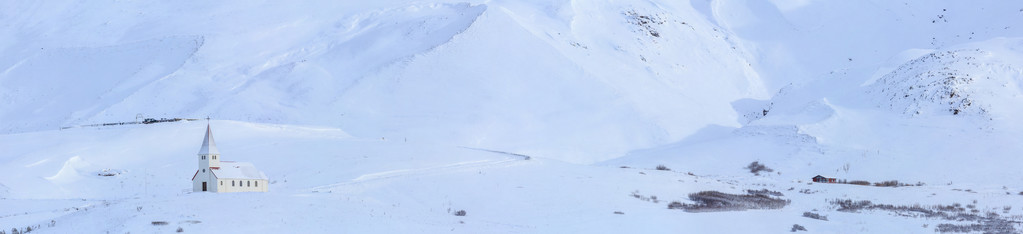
{"x":389,"y":116}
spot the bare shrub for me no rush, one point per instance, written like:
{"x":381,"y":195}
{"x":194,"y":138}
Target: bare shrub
{"x":765,"y":192}
{"x":1001,"y":226}
{"x":636,"y":195}
{"x":859,"y":182}
{"x":675,"y":205}
{"x":815,"y":216}
{"x":180,"y":230}
{"x":890,"y":183}
{"x":652,"y":198}
{"x":460,"y":213}
{"x":797,"y":227}
{"x":663,"y":168}
{"x":755,"y":167}
{"x":989,"y":223}
{"x":619,"y":212}
{"x":850,"y":205}
{"x":955,"y":207}
{"x":710,"y":201}
{"x":159,"y":223}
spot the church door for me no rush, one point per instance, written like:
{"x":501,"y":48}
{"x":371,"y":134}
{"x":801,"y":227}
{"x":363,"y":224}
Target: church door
{"x":204,"y":186}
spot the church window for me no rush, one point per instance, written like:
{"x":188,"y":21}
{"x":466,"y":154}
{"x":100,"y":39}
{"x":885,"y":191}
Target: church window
{"x":232,"y":183}
{"x":203,"y":170}
{"x":248,"y":183}
{"x":221,"y":182}
{"x":257,"y":183}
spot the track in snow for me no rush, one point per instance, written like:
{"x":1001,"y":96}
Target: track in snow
{"x":403,"y":173}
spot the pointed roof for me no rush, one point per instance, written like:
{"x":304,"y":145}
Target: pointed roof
{"x":208,"y":145}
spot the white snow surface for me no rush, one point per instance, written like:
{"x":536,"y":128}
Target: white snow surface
{"x":531,"y":116}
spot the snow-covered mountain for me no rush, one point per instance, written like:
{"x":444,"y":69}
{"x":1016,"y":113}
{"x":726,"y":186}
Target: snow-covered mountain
{"x":580,"y":81}
{"x":368,"y":114}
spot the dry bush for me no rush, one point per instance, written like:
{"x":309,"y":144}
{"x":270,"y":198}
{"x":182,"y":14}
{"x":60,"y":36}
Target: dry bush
{"x":765,"y":192}
{"x":710,"y":201}
{"x":988,"y":223}
{"x":755,"y":167}
{"x":675,"y":205}
{"x":652,"y":198}
{"x":859,"y":182}
{"x":815,"y":216}
{"x":797,"y":227}
{"x":890,"y":183}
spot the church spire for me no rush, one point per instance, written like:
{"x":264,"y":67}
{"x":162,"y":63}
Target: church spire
{"x":209,"y":147}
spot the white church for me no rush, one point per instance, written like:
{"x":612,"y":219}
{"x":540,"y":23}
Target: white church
{"x":218,"y":176}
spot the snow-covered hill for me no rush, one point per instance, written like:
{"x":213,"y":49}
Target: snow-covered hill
{"x":974,"y":79}
{"x":532,"y":116}
{"x":579,"y":81}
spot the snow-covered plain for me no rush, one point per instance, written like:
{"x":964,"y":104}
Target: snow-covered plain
{"x":531,"y":116}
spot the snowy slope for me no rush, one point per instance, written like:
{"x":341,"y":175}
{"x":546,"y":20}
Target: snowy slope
{"x":801,"y":41}
{"x":916,"y":113}
{"x":981,"y":79}
{"x":466,"y":73}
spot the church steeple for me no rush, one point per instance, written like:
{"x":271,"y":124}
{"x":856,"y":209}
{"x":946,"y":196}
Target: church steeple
{"x":208,"y":145}
{"x":209,"y":156}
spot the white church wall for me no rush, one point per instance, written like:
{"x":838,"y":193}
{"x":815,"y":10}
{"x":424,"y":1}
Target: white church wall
{"x":244,"y":185}
{"x":204,"y":177}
